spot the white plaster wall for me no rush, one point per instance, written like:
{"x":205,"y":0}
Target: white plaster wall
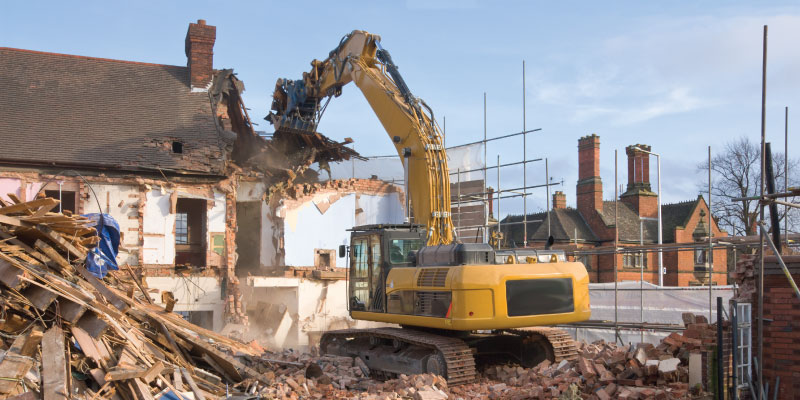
{"x":192,"y":294}
{"x":216,"y":215}
{"x":158,"y":228}
{"x":121,"y":202}
{"x":307,"y":228}
{"x":385,"y":209}
{"x":250,"y":191}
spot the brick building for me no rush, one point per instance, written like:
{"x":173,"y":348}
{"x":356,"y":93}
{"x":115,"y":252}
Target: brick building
{"x":169,"y":152}
{"x":590,"y":227}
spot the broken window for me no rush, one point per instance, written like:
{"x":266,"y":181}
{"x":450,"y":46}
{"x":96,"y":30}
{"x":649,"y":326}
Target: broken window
{"x":67,"y":199}
{"x":190,"y":232}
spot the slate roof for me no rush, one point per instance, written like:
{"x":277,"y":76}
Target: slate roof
{"x":565,"y":224}
{"x":629,"y":223}
{"x":676,"y":215}
{"x":67,"y":110}
{"x":568,"y":221}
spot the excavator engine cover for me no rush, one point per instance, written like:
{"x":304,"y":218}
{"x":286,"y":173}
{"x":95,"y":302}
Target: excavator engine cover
{"x":455,"y":254}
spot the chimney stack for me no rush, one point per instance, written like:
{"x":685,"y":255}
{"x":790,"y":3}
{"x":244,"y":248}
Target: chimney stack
{"x":638,"y":167}
{"x":559,"y":200}
{"x":200,"y":40}
{"x":639,"y":194}
{"x":590,"y":187}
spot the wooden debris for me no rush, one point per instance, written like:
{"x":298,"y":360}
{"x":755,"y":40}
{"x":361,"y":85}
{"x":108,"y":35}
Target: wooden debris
{"x":126,"y":346}
{"x":54,"y":366}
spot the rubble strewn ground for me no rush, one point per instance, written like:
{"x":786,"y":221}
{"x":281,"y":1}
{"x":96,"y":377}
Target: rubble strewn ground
{"x":65,"y":331}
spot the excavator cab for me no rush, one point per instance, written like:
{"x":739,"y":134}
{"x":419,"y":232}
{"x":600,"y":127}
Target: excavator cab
{"x":374,"y":251}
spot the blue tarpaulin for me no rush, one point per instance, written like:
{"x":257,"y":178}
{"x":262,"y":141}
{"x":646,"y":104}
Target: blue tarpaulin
{"x":103,"y":257}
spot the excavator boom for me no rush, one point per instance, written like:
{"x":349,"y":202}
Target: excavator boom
{"x":299,"y":104}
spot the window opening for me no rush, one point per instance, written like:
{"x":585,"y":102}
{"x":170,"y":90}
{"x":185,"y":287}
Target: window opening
{"x":66,"y":197}
{"x":177,"y":147}
{"x":191,"y":234}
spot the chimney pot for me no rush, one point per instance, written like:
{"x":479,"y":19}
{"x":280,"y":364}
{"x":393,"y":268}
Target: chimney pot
{"x":201,"y":22}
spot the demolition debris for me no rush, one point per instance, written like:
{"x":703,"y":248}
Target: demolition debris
{"x":103,"y":338}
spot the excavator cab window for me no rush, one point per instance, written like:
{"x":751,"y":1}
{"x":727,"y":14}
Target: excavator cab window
{"x":366,"y":278}
{"x":359,"y":273}
{"x":399,"y":249}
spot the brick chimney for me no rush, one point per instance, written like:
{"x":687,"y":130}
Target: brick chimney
{"x":638,"y":193}
{"x":590,"y":187}
{"x":559,"y":200}
{"x":200,"y":40}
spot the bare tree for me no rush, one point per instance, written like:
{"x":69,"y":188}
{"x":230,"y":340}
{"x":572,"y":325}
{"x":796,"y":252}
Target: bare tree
{"x":736,"y":172}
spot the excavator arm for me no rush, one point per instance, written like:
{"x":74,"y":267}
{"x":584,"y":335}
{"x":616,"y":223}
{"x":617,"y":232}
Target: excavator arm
{"x":298,"y":106}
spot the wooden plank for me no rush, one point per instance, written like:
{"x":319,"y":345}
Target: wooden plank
{"x":44,"y":209}
{"x":92,"y":324}
{"x":39,"y":297}
{"x":26,"y":207}
{"x":14,"y":198}
{"x":124,"y":373}
{"x":54,"y":366}
{"x":5,"y":219}
{"x":14,"y":365}
{"x":197,"y":392}
{"x":89,"y":346}
{"x":53,"y":255}
{"x":110,"y":296}
{"x":11,"y":275}
{"x":30,"y":250}
{"x":70,"y":311}
{"x":58,"y":239}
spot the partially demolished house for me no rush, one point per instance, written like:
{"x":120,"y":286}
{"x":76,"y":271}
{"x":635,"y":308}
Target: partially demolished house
{"x":202,"y":201}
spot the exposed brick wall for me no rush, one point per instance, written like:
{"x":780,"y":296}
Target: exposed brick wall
{"x":781,"y":326}
{"x":646,"y":205}
{"x":200,"y":40}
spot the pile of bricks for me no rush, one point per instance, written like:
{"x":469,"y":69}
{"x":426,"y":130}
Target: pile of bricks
{"x":602,"y":371}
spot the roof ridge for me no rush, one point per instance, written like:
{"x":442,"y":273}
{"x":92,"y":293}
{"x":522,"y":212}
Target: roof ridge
{"x":87,"y":57}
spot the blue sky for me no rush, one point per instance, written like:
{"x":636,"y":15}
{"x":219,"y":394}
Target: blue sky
{"x":678,"y":76}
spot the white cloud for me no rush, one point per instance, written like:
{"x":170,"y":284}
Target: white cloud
{"x":669,"y":67}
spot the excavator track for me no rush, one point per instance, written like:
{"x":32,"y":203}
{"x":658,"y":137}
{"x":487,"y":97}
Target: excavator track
{"x":457,"y":355}
{"x":564,"y":347}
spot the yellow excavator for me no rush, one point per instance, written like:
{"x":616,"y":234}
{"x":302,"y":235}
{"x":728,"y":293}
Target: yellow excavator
{"x":458,"y":304}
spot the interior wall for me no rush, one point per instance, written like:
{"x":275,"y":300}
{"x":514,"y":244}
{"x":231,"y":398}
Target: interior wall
{"x":248,"y":237}
{"x":322,"y":222}
{"x":158,"y":229}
